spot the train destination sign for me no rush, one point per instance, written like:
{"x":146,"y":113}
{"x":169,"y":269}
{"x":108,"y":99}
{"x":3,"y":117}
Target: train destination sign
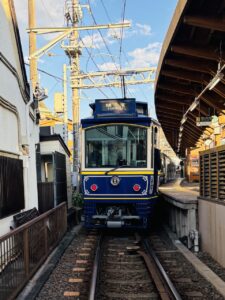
{"x":108,"y":107}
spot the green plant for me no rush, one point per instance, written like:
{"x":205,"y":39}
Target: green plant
{"x":78,"y":199}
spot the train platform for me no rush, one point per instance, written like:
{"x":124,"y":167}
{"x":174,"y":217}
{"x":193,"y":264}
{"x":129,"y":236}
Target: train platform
{"x":181,"y":207}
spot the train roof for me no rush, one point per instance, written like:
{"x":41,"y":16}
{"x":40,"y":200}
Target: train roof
{"x":124,"y":110}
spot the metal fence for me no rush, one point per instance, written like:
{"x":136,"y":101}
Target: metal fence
{"x":212,"y":173}
{"x":24,"y":249}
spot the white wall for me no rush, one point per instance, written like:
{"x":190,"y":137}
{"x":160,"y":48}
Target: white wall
{"x":13,"y":126}
{"x":212,"y":229}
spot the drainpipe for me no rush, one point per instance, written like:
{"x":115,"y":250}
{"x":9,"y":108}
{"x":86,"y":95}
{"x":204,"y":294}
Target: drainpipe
{"x":26,"y":144}
{"x":28,"y":115}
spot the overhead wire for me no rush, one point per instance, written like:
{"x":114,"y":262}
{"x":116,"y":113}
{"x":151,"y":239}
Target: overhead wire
{"x":92,"y":59}
{"x":47,"y":10}
{"x":121,"y":34}
{"x":110,"y":20}
{"x":47,"y":73}
{"x":103,"y":39}
{"x":94,"y":64}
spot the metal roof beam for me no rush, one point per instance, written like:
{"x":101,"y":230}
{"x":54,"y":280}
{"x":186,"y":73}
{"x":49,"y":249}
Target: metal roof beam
{"x":192,"y":65}
{"x":205,"y":53}
{"x":214,"y":102}
{"x":161,"y":110}
{"x":169,"y":117}
{"x":170,"y":108}
{"x":177,"y":100}
{"x":205,"y":22}
{"x":187,"y":76}
{"x":176,"y":88}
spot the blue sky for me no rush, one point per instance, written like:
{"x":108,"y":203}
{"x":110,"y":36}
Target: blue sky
{"x":141,"y":43}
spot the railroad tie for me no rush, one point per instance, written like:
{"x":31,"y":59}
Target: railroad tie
{"x":91,"y":237}
{"x":75,"y":280}
{"x":71,"y":294}
{"x":81,"y":261}
{"x":87,"y":244}
{"x":84,"y":254}
{"x":86,"y":249}
{"x":79,"y":269}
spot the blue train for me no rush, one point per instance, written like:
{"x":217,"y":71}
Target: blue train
{"x":120,"y":162}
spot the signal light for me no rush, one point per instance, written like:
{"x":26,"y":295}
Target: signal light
{"x":136,"y":187}
{"x":94,"y":187}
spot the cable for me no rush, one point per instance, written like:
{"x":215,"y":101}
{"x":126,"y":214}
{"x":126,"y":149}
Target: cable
{"x":47,"y":10}
{"x":46,"y":73}
{"x":103,"y":39}
{"x":96,"y":67}
{"x":121,"y":35}
{"x":110,"y":20}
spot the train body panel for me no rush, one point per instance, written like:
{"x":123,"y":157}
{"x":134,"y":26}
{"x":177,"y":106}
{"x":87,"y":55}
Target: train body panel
{"x":118,"y":174}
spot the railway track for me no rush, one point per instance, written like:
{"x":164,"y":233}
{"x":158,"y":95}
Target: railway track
{"x":127,"y":268}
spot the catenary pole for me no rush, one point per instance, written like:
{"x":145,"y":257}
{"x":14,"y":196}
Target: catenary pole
{"x":32,"y":44}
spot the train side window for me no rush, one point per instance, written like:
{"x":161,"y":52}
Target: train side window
{"x":155,"y":136}
{"x":152,"y":146}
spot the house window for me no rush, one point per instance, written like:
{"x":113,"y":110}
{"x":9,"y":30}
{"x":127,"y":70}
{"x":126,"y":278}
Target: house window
{"x":11,"y":186}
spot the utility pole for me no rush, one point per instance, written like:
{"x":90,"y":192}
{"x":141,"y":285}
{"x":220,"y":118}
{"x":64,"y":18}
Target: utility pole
{"x":32,"y":44}
{"x":73,"y":53}
{"x":65,"y":106}
{"x":73,"y":15}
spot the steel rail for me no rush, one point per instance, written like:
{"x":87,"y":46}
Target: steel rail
{"x":170,"y":286}
{"x":95,"y":274}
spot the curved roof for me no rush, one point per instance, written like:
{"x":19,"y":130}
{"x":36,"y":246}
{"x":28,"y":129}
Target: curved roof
{"x":192,"y":49}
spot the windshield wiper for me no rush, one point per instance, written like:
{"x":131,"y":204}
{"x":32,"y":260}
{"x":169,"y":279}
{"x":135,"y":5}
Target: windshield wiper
{"x":116,"y":168}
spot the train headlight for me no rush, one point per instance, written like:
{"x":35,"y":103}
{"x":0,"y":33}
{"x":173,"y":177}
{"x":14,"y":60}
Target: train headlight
{"x":94,"y":187}
{"x":136,"y":187}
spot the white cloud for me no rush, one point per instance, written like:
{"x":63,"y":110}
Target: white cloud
{"x":47,"y":13}
{"x":145,"y":57}
{"x":93,"y":41}
{"x":144,"y":29}
{"x":114,"y":34}
{"x":109,"y":66}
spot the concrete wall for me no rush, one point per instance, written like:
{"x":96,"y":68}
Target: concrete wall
{"x":13,"y":121}
{"x":212,"y":229}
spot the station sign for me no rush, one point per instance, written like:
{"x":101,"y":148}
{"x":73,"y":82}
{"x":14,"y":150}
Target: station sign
{"x":206,"y":121}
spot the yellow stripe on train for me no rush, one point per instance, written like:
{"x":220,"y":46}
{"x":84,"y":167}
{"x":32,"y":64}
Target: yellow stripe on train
{"x":117,"y":173}
{"x":149,"y":198}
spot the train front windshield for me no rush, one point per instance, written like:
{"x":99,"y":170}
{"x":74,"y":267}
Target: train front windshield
{"x":116,"y":145}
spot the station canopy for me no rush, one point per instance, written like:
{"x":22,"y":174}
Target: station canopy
{"x":189,"y":78}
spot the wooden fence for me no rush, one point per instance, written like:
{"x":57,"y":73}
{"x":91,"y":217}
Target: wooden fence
{"x":24,"y":249}
{"x":212,"y":173}
{"x":45,"y":196}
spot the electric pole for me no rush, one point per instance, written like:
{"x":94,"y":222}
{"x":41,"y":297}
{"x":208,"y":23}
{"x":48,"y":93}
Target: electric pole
{"x":73,"y":53}
{"x":32,"y":44}
{"x":65,"y":107}
{"x":73,"y":16}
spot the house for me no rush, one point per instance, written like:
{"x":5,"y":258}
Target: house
{"x":19,"y":133}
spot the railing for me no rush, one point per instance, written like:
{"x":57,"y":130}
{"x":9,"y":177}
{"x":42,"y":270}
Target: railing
{"x":24,"y":249}
{"x":212,"y":173}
